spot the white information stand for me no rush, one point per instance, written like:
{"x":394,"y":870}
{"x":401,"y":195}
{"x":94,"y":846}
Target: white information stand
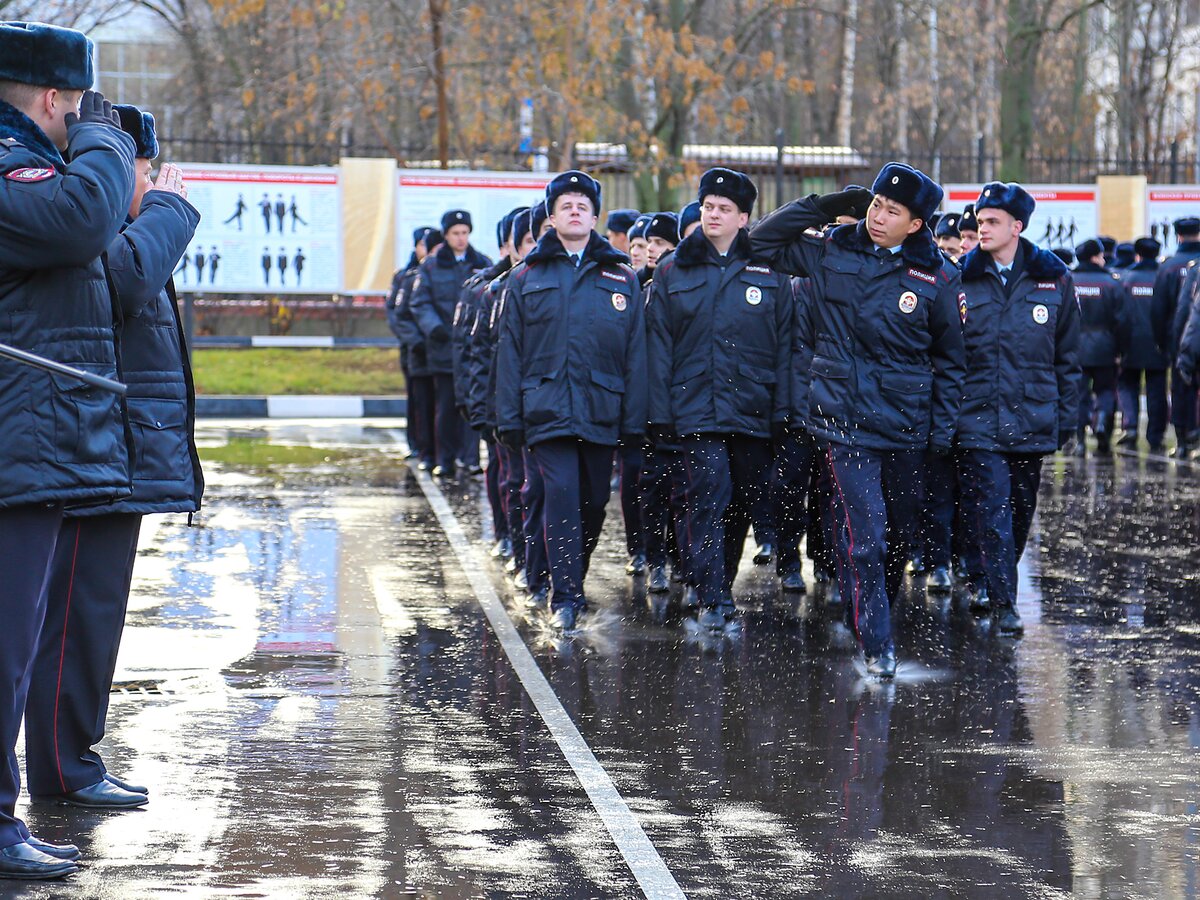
{"x":1164,"y":204}
{"x":1065,"y":215}
{"x":264,"y":229}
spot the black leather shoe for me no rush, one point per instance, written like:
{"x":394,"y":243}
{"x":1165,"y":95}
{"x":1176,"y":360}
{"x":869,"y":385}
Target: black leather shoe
{"x":764,"y":554}
{"x":676,"y":575}
{"x":637,"y":565}
{"x":538,"y":599}
{"x":711,"y":618}
{"x":1181,"y":451}
{"x":658,"y":583}
{"x":27,"y":862}
{"x":882,"y":666}
{"x":521,"y":580}
{"x":125,"y":785}
{"x":1128,"y":439}
{"x":503,"y":549}
{"x":443,"y":471}
{"x":979,"y":600}
{"x":691,"y":599}
{"x":101,"y":795}
{"x":423,"y":465}
{"x":1008,"y":620}
{"x":821,"y":576}
{"x":916,"y":565}
{"x":564,"y":618}
{"x":939,"y":581}
{"x":727,"y":607}
{"x":69,"y":852}
{"x":792,"y":583}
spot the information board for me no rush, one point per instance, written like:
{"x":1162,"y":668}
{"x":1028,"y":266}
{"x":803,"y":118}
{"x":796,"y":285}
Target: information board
{"x":1164,"y":204}
{"x":422,"y":197}
{"x":264,"y":229}
{"x":1065,"y":215}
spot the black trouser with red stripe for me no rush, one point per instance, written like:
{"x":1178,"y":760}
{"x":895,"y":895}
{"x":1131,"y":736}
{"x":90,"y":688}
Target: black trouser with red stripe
{"x":877,"y":498}
{"x":27,"y":536}
{"x":77,"y":652}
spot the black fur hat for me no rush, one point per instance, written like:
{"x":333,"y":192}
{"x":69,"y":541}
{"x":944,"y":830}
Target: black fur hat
{"x":1011,"y":197}
{"x":689,"y":215}
{"x":573,"y":182}
{"x":1088,"y":249}
{"x":46,"y":56}
{"x":912,"y":187}
{"x":453,"y":217}
{"x":947,"y":225}
{"x":621,"y":220}
{"x":664,"y":225}
{"x":1147,"y":248}
{"x":1188,"y":225}
{"x":139,"y":126}
{"x":967,"y":221}
{"x":729,"y":184}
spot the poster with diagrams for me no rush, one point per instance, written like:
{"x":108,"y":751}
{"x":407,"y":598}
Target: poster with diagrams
{"x":1065,"y":215}
{"x":264,"y":229}
{"x":1164,"y":204}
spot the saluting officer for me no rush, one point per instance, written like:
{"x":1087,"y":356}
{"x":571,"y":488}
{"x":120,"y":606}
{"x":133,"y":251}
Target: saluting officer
{"x":1139,"y":355}
{"x":1164,"y":313}
{"x":720,"y":351}
{"x":434,"y":297}
{"x":64,"y":442}
{"x":1101,"y":306}
{"x":571,"y":377}
{"x":885,"y":383}
{"x":1021,"y":391}
{"x":93,"y":560}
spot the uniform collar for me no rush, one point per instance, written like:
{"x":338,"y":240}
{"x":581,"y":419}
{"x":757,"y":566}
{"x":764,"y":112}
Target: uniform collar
{"x":15,"y":124}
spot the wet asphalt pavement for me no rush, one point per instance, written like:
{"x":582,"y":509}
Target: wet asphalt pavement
{"x":321,"y":709}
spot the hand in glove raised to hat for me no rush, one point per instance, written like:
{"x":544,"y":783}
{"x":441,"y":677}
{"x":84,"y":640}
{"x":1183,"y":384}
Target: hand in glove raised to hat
{"x":851,"y":202}
{"x":94,"y":108}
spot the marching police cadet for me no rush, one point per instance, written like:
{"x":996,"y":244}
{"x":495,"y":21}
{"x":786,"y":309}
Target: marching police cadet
{"x":65,"y":441}
{"x":94,"y":557}
{"x":968,"y":231}
{"x":638,"y":245}
{"x":571,"y":377}
{"x":1101,"y":302}
{"x":466,"y":316}
{"x":434,"y":297}
{"x":689,"y":219}
{"x":1140,"y":358}
{"x":1021,"y":401}
{"x":1125,"y":255}
{"x":1163,"y":315}
{"x":885,"y":384}
{"x":719,"y":325}
{"x":948,"y":239}
{"x":1108,"y":249}
{"x":418,"y":382}
{"x":617,"y":227}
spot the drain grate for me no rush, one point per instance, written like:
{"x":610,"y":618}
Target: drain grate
{"x":139,"y":689}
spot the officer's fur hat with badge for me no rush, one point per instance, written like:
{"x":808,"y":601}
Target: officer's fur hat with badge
{"x":1011,"y":198}
{"x":573,"y":182}
{"x":727,"y":183}
{"x":910,"y":187}
{"x":139,"y":126}
{"x":453,"y":217}
{"x":46,"y":56}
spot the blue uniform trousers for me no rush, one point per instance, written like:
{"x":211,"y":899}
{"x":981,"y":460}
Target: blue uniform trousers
{"x":1098,"y":398}
{"x":421,"y":415}
{"x":447,"y":424}
{"x":512,"y":476}
{"x":877,"y":500}
{"x":938,"y":516}
{"x":793,"y":470}
{"x":493,"y":478}
{"x":533,"y":524}
{"x":662,"y":506}
{"x":77,"y":652}
{"x":1129,"y":387}
{"x":575,"y":477}
{"x":725,"y":476}
{"x":630,"y":460}
{"x":999,"y":500}
{"x":1183,"y":406}
{"x":821,"y":539}
{"x":27,"y":538}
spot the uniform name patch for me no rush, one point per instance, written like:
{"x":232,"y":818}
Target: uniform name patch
{"x":1047,"y":285}
{"x":615,"y":276}
{"x":927,"y":277}
{"x":762,"y":270}
{"x":1143,"y":290}
{"x":1087,"y":290}
{"x":29,"y":175}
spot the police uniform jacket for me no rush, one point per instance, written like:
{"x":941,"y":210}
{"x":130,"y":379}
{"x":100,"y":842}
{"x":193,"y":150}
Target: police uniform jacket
{"x":802,"y":344}
{"x":719,"y":340}
{"x":434,"y":298}
{"x":64,"y":442}
{"x":571,"y":359}
{"x":1189,"y":339}
{"x":1136,"y":332}
{"x":154,"y":362}
{"x":1164,"y":305}
{"x":405,"y":329}
{"x":466,"y":314}
{"x":884,"y":330}
{"x":481,"y":352}
{"x":1101,"y":305}
{"x":1022,"y":354}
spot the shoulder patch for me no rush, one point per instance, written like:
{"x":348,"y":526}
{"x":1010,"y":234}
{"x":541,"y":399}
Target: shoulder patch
{"x":29,"y":175}
{"x":927,"y":277}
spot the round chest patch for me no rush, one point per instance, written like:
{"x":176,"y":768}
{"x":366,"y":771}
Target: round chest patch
{"x":753,"y":296}
{"x":1041,"y":315}
{"x":908,"y":302}
{"x":618,"y":301}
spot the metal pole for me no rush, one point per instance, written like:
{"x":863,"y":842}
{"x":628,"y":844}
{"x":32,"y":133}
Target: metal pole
{"x":49,"y":365}
{"x":980,"y":145}
{"x":778,"y":167}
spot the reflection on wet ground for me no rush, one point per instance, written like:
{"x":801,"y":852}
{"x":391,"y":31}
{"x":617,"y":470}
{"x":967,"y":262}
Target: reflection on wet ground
{"x":322,"y":710}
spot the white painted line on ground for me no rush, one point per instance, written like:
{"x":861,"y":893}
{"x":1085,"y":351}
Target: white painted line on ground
{"x":314,"y":407}
{"x":648,"y":868}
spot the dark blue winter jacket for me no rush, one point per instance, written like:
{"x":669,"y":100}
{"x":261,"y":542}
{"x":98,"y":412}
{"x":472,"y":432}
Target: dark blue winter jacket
{"x":1021,"y":390}
{"x":884,"y":330}
{"x":719,"y":341}
{"x":1101,"y":306}
{"x":434,"y":298}
{"x":571,"y":359}
{"x":1136,"y":332}
{"x":64,"y":441}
